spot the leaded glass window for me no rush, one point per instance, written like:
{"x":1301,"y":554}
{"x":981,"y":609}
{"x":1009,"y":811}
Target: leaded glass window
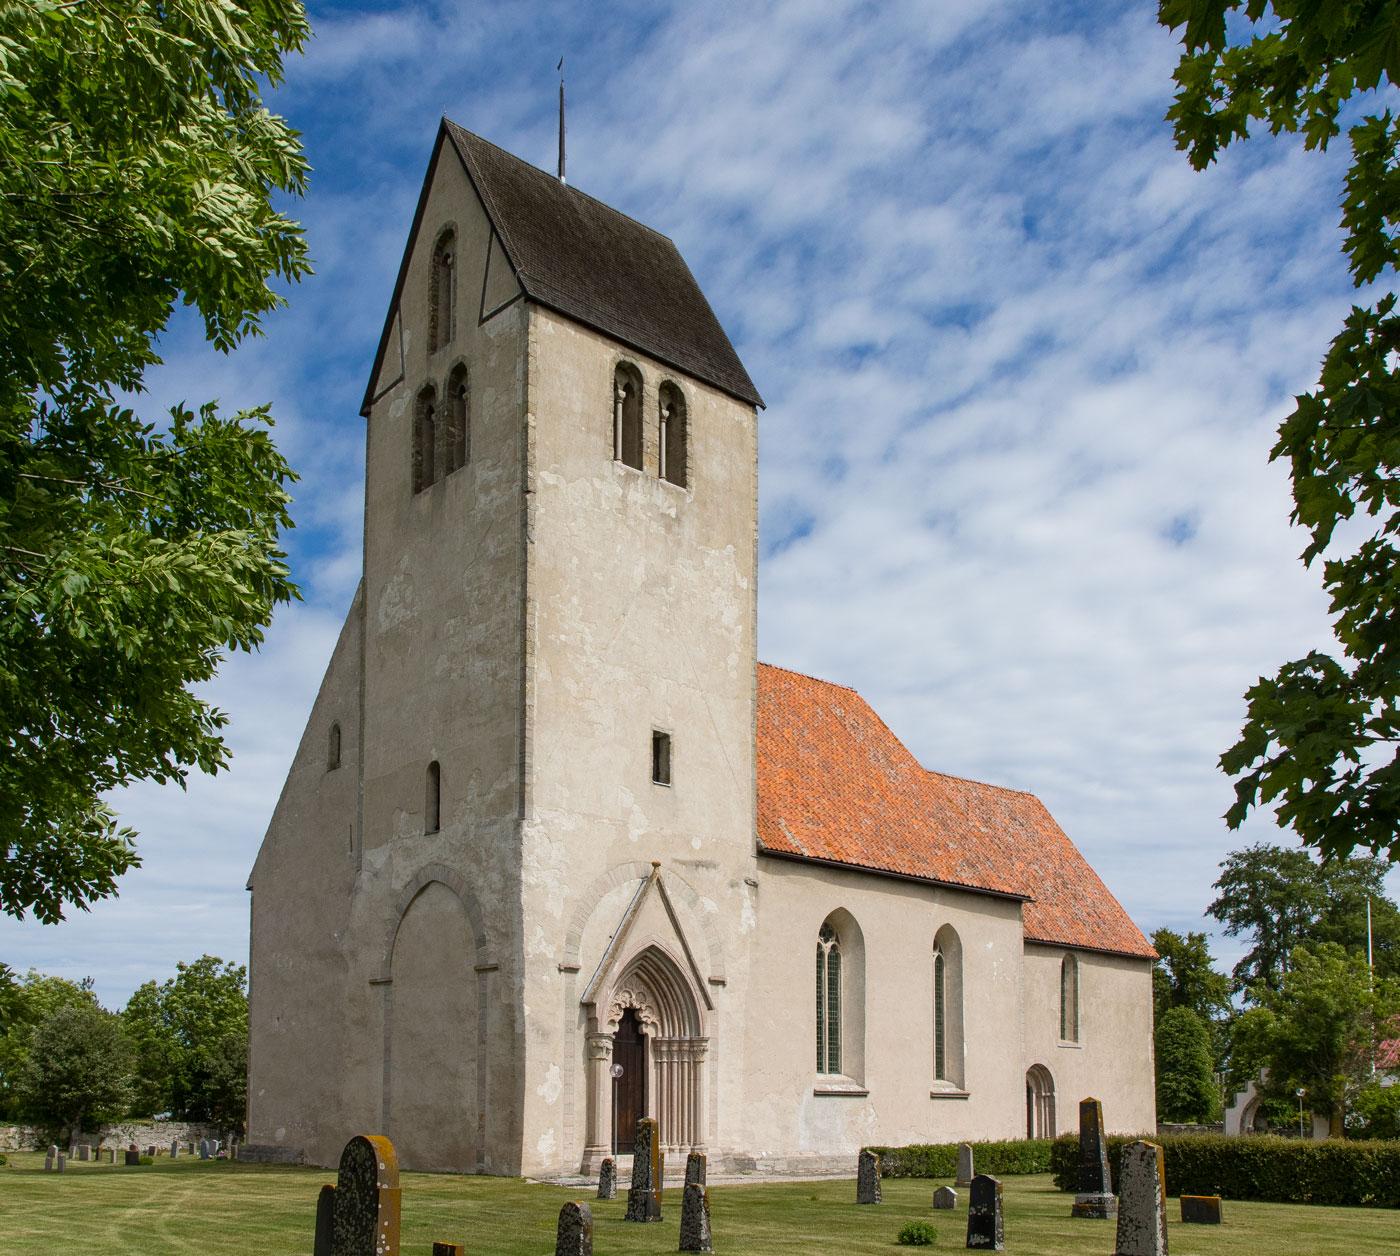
{"x":940,"y":1016}
{"x":828,"y":1001}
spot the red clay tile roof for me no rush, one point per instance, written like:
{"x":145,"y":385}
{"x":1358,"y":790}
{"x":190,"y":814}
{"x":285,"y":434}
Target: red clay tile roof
{"x":835,"y":785}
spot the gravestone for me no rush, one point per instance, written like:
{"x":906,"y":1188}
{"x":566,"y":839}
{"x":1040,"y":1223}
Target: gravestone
{"x":324,"y":1243}
{"x":364,"y":1204}
{"x":1142,"y":1203}
{"x":53,"y":1149}
{"x":151,"y":1151}
{"x":133,"y":1157}
{"x":61,"y":1163}
{"x":48,"y":1162}
{"x":448,"y":1249}
{"x":607,"y":1179}
{"x":695,"y":1171}
{"x":174,"y":1150}
{"x":575,"y":1236}
{"x":868,"y":1177}
{"x":204,"y":1149}
{"x":984,"y":1220}
{"x":945,"y":1197}
{"x":111,"y":1155}
{"x":1201,"y":1209}
{"x":965,"y":1171}
{"x":1095,"y":1198}
{"x":644,"y":1197}
{"x":695,"y":1216}
{"x":84,"y":1151}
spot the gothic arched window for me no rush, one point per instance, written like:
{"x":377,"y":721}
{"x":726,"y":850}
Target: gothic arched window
{"x":443,"y":291}
{"x":947,"y":1007}
{"x":940,"y":1015}
{"x":1069,"y":999}
{"x":425,"y":441}
{"x":432,"y":802}
{"x":456,"y":435}
{"x":672,"y":434}
{"x":828,"y":1001}
{"x":627,"y":416}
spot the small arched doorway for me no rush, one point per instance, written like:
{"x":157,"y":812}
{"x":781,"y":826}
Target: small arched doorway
{"x":629,"y":1081}
{"x":1040,"y":1102}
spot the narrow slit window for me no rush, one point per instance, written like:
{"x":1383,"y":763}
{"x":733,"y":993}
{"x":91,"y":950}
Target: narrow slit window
{"x":425,"y":441}
{"x":456,"y":434}
{"x":828,"y":1001}
{"x":660,"y":758}
{"x":940,"y":1016}
{"x":1069,"y":999}
{"x":333,"y":747}
{"x":444,"y":292}
{"x":432,"y":808}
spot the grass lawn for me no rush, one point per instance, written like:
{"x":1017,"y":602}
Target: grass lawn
{"x":211,"y":1208}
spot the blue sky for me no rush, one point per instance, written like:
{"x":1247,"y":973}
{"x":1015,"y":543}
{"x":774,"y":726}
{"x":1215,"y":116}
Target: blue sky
{"x":1023,"y":369}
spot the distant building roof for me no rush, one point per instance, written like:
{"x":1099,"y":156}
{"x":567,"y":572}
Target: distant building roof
{"x":599,"y":267}
{"x":836,"y":786}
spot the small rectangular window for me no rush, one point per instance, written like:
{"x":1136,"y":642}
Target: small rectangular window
{"x":660,"y":758}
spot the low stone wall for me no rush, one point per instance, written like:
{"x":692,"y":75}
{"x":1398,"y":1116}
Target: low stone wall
{"x":119,"y":1134}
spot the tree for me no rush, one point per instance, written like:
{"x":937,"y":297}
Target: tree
{"x":1320,"y":737}
{"x":137,"y":168}
{"x":28,"y":1003}
{"x":1316,"y":1031}
{"x":1283,"y":898}
{"x":1186,"y":1089}
{"x":1184,"y":976}
{"x":78,"y":1068}
{"x":191,"y":1040}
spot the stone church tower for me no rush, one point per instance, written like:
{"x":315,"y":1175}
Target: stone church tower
{"x":545,"y":780}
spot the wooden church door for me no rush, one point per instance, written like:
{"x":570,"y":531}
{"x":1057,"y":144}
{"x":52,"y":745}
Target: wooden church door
{"x":630,"y":1089}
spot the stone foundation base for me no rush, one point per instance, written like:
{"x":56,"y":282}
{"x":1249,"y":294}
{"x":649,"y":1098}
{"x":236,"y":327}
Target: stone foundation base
{"x":269,"y":1153}
{"x":1096,"y":1207}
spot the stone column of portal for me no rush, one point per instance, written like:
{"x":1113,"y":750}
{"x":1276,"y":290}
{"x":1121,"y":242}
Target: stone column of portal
{"x":599,"y":1112}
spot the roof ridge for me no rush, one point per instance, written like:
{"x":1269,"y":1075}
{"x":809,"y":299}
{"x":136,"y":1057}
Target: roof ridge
{"x":972,"y":780}
{"x":792,"y":671}
{"x":568,"y":187}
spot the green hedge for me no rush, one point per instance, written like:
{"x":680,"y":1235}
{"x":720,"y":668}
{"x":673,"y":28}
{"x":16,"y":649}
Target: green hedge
{"x":1282,"y":1170}
{"x":940,"y":1160}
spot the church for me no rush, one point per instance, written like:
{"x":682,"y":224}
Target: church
{"x":557,"y":852}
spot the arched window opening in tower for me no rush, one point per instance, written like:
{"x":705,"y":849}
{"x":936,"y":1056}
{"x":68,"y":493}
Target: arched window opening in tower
{"x":627,"y":416}
{"x":425,"y":441}
{"x":443,"y":292}
{"x":673,"y":434}
{"x":456,"y":436}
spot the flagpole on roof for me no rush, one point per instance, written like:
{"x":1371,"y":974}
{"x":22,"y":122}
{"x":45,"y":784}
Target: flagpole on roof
{"x":560,"y":68}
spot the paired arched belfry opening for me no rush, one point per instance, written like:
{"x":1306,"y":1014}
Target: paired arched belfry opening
{"x":650,"y":1026}
{"x":627,"y":416}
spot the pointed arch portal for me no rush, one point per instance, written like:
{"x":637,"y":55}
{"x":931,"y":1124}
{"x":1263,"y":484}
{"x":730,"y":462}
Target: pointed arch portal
{"x":649,"y":1019}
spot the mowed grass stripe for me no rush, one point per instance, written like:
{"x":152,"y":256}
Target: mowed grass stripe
{"x":270,"y":1210}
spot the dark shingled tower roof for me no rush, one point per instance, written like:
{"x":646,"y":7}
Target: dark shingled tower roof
{"x":595,"y":265}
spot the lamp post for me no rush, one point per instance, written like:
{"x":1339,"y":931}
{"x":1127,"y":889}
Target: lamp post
{"x":1301,"y":1093}
{"x":615,"y":1072}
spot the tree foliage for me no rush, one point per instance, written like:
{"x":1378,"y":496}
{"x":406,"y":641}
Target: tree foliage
{"x":1318,"y":1030}
{"x":27,"y":1004}
{"x":1186,"y":1090}
{"x":191,"y":1040}
{"x":1282,"y":898}
{"x":78,"y":1068}
{"x":1320,"y":737}
{"x":137,"y":169}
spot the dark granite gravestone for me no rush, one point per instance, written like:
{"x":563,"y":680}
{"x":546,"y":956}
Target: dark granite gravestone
{"x":1201,"y":1209}
{"x":61,"y":1163}
{"x":204,"y":1149}
{"x":151,"y":1151}
{"x":695,"y":1218}
{"x":965,"y":1171}
{"x":1095,"y":1198}
{"x":695,"y":1168}
{"x":575,"y":1236}
{"x":945,"y":1197}
{"x":174,"y":1150}
{"x":868,"y":1177}
{"x":84,"y":1151}
{"x":448,"y":1249}
{"x":48,"y":1162}
{"x":607,"y":1179}
{"x":1142,"y":1204}
{"x":644,"y":1197}
{"x":367,"y":1199}
{"x":984,"y":1221}
{"x":325,"y":1222}
{"x":132,"y":1155}
{"x":111,"y":1155}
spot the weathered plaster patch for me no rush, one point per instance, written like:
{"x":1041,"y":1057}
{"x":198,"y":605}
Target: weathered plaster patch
{"x":397,"y":407}
{"x":399,"y":602}
{"x":545,"y":1146}
{"x":552,"y":1086}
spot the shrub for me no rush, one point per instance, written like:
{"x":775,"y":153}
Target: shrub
{"x":917,"y":1234}
{"x":1185,"y":1088}
{"x":940,"y":1160}
{"x":1330,"y":1171}
{"x":146,"y":1160}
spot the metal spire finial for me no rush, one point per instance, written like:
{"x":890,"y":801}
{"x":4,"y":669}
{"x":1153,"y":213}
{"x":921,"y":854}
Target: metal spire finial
{"x":560,"y":68}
